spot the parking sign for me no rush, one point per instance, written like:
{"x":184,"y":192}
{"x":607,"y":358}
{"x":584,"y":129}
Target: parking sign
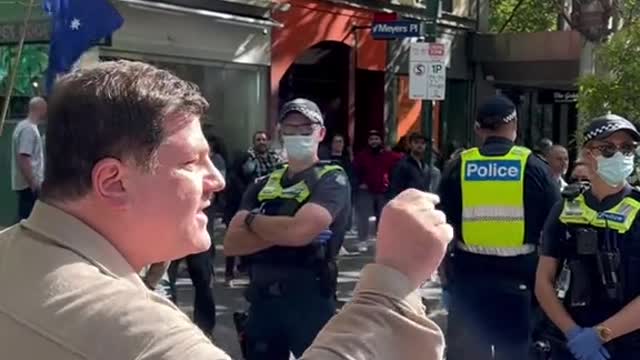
{"x":427,"y":71}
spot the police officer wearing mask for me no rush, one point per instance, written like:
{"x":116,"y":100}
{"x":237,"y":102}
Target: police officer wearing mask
{"x":594,"y":233}
{"x":496,"y":197}
{"x":292,"y":223}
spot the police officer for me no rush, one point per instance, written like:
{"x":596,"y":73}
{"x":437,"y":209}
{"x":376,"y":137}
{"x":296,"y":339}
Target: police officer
{"x":594,"y":236}
{"x":292,"y":224}
{"x":496,"y":197}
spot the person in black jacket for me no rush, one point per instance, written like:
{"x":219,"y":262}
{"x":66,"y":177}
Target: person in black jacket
{"x":339,"y":154}
{"x":412,"y":171}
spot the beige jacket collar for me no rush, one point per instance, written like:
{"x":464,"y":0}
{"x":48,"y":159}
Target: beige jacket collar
{"x":69,"y":232}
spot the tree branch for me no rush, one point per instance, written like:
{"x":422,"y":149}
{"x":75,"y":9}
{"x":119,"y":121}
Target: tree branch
{"x":560,"y":7}
{"x":511,"y":16}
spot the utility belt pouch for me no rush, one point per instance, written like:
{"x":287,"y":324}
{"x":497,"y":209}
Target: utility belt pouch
{"x":586,"y":241}
{"x":581,"y":290}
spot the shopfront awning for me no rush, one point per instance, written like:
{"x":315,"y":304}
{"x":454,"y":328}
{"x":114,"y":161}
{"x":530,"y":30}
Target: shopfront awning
{"x":545,"y":59}
{"x":216,"y":15}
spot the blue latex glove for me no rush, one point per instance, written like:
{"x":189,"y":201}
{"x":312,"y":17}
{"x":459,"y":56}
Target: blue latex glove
{"x":585,"y":344}
{"x":323,"y":237}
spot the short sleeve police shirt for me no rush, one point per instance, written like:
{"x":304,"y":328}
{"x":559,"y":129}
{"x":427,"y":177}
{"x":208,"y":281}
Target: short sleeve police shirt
{"x":332,"y":191}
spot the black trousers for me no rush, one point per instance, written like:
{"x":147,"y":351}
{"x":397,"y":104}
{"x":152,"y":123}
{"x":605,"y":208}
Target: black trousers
{"x":230,"y":267}
{"x":288,"y":323}
{"x":200,"y":268}
{"x":26,"y":201}
{"x":489,"y":319}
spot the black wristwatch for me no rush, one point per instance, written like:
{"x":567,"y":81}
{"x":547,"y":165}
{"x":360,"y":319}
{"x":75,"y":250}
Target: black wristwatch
{"x":248,"y":220}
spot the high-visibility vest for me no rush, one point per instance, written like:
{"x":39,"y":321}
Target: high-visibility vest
{"x":619,"y":217}
{"x":493,"y":203}
{"x":276,"y":200}
{"x":298,"y":192}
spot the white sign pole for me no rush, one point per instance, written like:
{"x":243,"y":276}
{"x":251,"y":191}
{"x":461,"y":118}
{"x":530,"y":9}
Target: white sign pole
{"x":418,"y":71}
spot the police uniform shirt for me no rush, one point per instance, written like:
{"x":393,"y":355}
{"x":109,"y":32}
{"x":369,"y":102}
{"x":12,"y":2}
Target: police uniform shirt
{"x":555,"y":243}
{"x":540,"y":194}
{"x":332,"y":191}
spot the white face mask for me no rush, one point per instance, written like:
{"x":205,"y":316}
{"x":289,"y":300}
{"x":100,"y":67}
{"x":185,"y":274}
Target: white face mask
{"x":299,"y":147}
{"x":616,"y":169}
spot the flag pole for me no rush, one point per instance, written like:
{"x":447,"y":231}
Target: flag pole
{"x":16,"y":66}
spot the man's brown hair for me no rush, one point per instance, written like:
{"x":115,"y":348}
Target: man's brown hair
{"x":115,"y":109}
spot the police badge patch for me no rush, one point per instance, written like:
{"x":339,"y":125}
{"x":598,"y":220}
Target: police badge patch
{"x":341,"y":179}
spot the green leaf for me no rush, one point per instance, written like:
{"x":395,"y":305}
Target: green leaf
{"x":617,"y":90}
{"x":31,"y":69}
{"x":531,"y":15}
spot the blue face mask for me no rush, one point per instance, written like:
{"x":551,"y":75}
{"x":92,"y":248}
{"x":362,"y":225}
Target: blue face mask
{"x":616,"y":169}
{"x":299,"y":147}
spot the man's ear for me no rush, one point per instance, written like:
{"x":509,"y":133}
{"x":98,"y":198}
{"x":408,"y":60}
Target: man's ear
{"x":323,"y":133}
{"x":108,"y":182}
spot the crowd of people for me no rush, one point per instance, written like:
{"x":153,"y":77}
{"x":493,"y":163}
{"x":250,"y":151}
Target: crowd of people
{"x":124,"y":189}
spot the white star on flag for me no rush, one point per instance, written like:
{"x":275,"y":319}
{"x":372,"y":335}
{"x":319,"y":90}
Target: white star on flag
{"x":75,"y":24}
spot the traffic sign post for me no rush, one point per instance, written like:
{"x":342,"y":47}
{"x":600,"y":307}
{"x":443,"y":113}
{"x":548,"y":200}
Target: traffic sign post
{"x":427,"y":61}
{"x":427,"y":82}
{"x":427,"y":71}
{"x":436,"y":71}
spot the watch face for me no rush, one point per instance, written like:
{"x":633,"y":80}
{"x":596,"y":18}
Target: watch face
{"x":604,"y":333}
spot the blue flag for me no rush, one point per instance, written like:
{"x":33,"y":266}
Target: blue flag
{"x":77,"y":26}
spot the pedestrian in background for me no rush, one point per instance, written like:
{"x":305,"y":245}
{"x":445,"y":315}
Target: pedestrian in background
{"x":339,"y":154}
{"x":372,"y":167}
{"x":558,"y":159}
{"x":412,"y":171}
{"x":260,"y":160}
{"x":27,"y":157}
{"x":580,"y":172}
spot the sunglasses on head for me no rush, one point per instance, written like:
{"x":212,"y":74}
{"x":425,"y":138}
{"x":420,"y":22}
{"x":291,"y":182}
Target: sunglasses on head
{"x":607,"y":150}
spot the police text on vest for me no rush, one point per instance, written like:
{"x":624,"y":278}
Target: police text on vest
{"x":493,"y":170}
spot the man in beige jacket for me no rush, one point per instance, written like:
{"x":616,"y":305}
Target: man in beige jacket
{"x":126,"y":182}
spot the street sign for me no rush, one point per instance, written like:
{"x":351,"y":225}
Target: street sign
{"x":436,"y":71}
{"x":418,"y":80}
{"x":395,"y":29}
{"x":427,"y":71}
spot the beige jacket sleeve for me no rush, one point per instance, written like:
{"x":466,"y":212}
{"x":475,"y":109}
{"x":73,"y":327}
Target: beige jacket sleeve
{"x":385,"y":320}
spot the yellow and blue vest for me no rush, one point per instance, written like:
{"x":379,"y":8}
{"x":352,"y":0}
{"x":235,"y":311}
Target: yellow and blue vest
{"x":619,"y":218}
{"x":276,"y":200}
{"x":493,"y":203}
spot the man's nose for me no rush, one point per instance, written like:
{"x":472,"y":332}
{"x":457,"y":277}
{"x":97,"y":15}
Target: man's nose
{"x":214,"y":180}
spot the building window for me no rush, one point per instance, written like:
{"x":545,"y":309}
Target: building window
{"x":237,"y":93}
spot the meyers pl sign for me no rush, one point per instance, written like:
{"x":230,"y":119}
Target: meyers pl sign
{"x":395,"y":29}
